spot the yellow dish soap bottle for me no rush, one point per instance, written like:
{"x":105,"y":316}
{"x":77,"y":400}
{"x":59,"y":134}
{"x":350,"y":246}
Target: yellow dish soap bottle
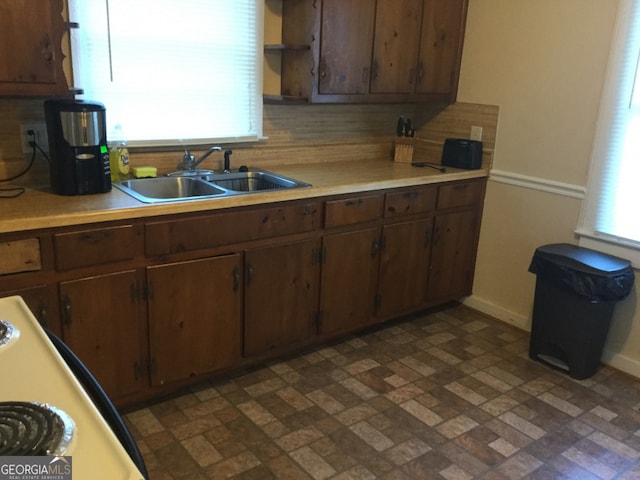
{"x":119,"y":157}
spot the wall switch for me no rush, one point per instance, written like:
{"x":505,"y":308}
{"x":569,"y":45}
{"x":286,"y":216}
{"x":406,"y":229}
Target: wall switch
{"x":476,"y":133}
{"x":40,"y":136}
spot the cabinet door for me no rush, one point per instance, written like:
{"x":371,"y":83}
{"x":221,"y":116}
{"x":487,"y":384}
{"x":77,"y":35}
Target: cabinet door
{"x":396,"y":45}
{"x":281,"y":296}
{"x":453,"y":255}
{"x":37,"y":299}
{"x":346,"y":40}
{"x":442,"y":31}
{"x":195,"y":310}
{"x":30,"y":50}
{"x":101,"y":324}
{"x":349,"y":280}
{"x":404,"y":267}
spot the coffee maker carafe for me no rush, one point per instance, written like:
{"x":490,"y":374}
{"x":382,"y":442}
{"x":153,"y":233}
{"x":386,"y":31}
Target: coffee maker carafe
{"x":77,"y":135}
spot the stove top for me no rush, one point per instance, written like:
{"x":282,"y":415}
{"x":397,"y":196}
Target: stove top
{"x":44,"y":410}
{"x":32,"y":428}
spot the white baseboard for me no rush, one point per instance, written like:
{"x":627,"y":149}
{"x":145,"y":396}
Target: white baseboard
{"x":517,"y":320}
{"x":621,"y":362}
{"x":613,"y":359}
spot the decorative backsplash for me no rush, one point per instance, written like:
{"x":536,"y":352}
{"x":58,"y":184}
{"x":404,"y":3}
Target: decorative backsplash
{"x":295,"y":134}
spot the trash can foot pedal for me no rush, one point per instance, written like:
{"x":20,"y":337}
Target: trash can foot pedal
{"x":553,"y":361}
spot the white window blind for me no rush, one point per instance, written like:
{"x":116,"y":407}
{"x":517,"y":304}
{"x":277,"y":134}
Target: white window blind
{"x":610,"y":211}
{"x":172,"y":72}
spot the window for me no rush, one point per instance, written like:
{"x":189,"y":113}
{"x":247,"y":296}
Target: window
{"x":172,"y":72}
{"x":610,"y":212}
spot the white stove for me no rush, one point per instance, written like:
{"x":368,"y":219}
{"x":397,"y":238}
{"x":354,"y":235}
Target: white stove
{"x":37,"y":381}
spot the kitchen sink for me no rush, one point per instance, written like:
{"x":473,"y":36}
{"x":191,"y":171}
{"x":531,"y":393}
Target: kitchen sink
{"x":168,"y":189}
{"x":189,"y":187}
{"x":254,"y":181}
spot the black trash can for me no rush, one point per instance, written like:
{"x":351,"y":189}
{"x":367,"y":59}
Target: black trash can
{"x":576,"y":291}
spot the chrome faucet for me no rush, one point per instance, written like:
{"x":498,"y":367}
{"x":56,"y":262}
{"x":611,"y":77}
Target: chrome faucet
{"x":189,"y":162}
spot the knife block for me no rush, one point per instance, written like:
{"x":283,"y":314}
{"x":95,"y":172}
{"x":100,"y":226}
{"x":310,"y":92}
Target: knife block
{"x":404,"y":149}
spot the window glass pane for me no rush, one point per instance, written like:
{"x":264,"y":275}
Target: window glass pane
{"x":172,"y":72}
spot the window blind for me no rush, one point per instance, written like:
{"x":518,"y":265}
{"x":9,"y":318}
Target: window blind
{"x":610,"y":211}
{"x":172,"y":72}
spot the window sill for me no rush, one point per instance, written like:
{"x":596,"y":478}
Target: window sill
{"x":617,"y":247}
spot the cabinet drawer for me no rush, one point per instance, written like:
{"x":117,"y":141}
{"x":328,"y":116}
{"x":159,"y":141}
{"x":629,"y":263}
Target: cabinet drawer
{"x":230,"y":227}
{"x":407,"y":202}
{"x":352,"y":210}
{"x":94,"y":247}
{"x":20,"y":256}
{"x":460,"y":194}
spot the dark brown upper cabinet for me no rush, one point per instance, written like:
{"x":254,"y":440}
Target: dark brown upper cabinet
{"x":371,"y":51}
{"x":30,"y":48}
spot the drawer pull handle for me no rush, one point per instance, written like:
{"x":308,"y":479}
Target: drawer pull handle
{"x":354,"y":203}
{"x":411,"y":195}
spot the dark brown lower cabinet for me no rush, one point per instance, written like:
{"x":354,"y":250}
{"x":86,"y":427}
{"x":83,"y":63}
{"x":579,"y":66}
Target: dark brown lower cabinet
{"x":349,"y":280}
{"x":281,"y":295}
{"x":453,"y":255}
{"x":37,"y":299}
{"x":195,"y":317}
{"x":190,"y":298}
{"x":101,"y":323}
{"x":404,"y":267}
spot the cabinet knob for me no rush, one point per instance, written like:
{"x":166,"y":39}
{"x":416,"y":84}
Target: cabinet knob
{"x":43,"y":314}
{"x":249,"y":273}
{"x":236,"y":278}
{"x":375,"y":248}
{"x":66,"y":311}
{"x":47,"y":51}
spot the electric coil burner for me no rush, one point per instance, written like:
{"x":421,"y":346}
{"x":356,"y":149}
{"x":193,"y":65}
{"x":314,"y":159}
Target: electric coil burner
{"x":30,"y":429}
{"x":8,"y":333}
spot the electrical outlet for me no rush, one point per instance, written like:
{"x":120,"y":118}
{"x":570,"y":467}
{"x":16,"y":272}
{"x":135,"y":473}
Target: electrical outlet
{"x":40,"y":136}
{"x":476,"y":133}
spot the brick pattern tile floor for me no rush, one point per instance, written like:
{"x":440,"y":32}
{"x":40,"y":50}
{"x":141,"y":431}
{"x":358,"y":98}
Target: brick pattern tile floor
{"x":449,"y":395}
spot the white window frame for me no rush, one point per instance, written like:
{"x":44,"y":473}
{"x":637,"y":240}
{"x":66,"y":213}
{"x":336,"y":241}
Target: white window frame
{"x":625,"y":48}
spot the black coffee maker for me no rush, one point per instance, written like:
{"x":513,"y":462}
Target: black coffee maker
{"x":77,"y":135}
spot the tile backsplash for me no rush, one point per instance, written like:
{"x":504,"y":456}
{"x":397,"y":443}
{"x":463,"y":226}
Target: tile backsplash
{"x":294,"y":134}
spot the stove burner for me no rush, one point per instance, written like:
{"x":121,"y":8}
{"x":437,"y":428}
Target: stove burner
{"x":8,"y":333}
{"x":32,"y":428}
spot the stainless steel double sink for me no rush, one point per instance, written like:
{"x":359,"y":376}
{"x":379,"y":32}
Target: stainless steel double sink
{"x":198,"y":187}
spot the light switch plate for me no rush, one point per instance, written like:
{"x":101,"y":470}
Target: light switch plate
{"x":476,"y":133}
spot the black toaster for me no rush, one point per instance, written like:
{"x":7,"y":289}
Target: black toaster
{"x":462,"y":153}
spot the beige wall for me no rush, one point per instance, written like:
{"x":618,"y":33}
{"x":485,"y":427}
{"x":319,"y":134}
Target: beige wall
{"x":542,"y":62}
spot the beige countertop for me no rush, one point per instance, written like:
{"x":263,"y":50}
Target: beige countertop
{"x":40,"y":208}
